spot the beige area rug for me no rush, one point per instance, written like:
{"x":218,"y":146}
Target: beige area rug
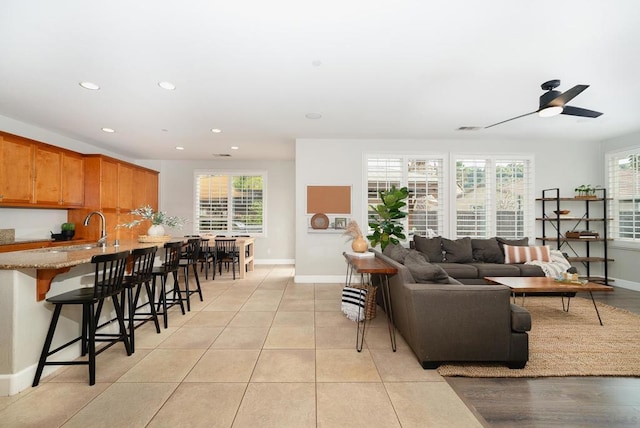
{"x":570,"y":344}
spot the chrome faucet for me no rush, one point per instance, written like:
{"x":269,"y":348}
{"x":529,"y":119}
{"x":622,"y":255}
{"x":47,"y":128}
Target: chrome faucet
{"x":102,"y":242}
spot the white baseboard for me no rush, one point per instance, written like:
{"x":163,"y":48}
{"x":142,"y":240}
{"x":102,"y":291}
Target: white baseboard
{"x":321,"y":279}
{"x":635,"y":286}
{"x":274,"y":262}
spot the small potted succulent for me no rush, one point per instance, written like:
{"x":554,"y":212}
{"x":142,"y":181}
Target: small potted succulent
{"x":68,"y":231}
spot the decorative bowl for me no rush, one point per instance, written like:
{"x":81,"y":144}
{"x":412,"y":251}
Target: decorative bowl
{"x":561,"y":212}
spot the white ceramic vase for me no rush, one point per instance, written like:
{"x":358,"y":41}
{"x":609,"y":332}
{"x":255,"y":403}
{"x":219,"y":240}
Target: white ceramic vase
{"x":156,"y":230}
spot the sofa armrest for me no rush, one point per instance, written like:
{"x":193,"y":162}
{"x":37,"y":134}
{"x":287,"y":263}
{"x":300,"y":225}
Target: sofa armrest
{"x":520,"y":319}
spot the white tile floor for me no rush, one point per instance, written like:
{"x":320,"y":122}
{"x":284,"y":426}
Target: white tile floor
{"x":258,"y":352}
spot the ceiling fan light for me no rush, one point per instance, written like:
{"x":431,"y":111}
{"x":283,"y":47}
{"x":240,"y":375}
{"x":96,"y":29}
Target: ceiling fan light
{"x":550,"y":111}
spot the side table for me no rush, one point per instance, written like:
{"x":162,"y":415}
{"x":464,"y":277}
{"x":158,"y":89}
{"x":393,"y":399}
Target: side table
{"x":366,"y":266}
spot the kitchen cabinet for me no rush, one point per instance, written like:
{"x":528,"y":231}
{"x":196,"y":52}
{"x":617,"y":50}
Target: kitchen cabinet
{"x":16,"y":170}
{"x":38,"y":175}
{"x":59,"y":177}
{"x":115,"y":188}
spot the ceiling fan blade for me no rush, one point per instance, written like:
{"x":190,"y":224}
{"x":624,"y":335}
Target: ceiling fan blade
{"x":577,"y":111}
{"x":508,"y":120}
{"x":567,"y":96}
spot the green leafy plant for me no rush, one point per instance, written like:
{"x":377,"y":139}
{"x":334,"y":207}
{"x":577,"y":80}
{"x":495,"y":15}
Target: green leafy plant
{"x":387,"y":227}
{"x":146,"y":213}
{"x":586,"y":190}
{"x":68,"y":226}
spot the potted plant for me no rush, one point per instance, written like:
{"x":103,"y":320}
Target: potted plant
{"x":68,"y":231}
{"x":387,"y":227}
{"x":585,"y":191}
{"x":358,"y":243}
{"x":158,"y":220}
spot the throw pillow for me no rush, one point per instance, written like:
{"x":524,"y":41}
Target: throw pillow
{"x":395,"y":252}
{"x":487,"y":251}
{"x":423,"y":271}
{"x":458,"y":251}
{"x":515,"y":254}
{"x":430,"y":247}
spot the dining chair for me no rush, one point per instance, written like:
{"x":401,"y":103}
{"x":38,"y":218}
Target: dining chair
{"x":227,"y":253}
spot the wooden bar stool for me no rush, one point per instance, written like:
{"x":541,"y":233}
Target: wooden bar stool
{"x":109,"y":273}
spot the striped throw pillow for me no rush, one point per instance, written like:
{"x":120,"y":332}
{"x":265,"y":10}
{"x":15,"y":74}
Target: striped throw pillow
{"x":516,"y":254}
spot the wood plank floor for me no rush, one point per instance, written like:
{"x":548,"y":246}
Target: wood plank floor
{"x":558,"y":402}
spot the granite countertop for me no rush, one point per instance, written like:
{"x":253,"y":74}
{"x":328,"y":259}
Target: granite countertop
{"x":64,"y":256}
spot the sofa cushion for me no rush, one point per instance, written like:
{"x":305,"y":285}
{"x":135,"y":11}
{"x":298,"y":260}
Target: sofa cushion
{"x":423,"y":271}
{"x":529,"y":270}
{"x":496,"y":269}
{"x":460,"y":270}
{"x":431,"y":247}
{"x":487,"y":250}
{"x":458,"y":251}
{"x":516,"y":254}
{"x":395,"y":252}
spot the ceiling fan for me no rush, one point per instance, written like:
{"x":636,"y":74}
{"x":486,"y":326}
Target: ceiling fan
{"x":554,"y":102}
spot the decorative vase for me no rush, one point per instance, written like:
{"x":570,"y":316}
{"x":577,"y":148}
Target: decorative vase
{"x":359,"y":245}
{"x":156,"y":230}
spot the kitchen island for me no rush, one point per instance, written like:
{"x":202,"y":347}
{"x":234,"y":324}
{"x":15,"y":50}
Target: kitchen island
{"x":26,"y":278}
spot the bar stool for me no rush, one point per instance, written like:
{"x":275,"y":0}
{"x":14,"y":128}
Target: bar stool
{"x":190,"y":258}
{"x":109,"y":272}
{"x":207,"y":258}
{"x":170,"y":266}
{"x":142,"y":267}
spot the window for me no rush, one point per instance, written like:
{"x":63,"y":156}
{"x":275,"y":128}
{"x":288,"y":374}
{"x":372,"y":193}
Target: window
{"x":230,"y":203}
{"x":488,"y":196}
{"x":423,"y":176}
{"x":493,"y":197}
{"x":624,"y":189}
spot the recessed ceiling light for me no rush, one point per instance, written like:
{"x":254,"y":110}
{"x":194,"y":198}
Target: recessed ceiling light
{"x":234,"y":147}
{"x":179,"y":148}
{"x":216,"y":130}
{"x":89,"y":85}
{"x":313,"y":116}
{"x":167,"y":85}
{"x":109,"y":130}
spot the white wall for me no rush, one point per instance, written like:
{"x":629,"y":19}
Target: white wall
{"x":340,"y":162}
{"x":626,"y":255}
{"x":177,"y":198}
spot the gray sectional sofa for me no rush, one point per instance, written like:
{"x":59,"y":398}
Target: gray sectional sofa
{"x":470,"y":260}
{"x":443,"y":320}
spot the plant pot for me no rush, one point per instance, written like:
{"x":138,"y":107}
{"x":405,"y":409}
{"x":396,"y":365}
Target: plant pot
{"x":359,"y":245}
{"x":156,"y":230}
{"x":68,"y":235}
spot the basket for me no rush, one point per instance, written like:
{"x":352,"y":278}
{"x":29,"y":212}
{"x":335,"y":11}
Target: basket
{"x":370,"y":302}
{"x":149,"y":238}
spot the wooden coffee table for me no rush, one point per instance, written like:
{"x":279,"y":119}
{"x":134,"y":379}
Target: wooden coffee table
{"x":542,"y":284}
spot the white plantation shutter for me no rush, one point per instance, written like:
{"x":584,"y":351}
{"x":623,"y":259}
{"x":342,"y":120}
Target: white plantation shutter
{"x":229,"y":203}
{"x":623,"y":170}
{"x":494,"y":197}
{"x":422,"y":175}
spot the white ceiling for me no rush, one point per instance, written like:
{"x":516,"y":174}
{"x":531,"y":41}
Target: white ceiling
{"x":372,"y":69}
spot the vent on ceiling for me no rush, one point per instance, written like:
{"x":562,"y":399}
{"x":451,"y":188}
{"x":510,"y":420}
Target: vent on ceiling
{"x":221,"y":155}
{"x":469,"y":128}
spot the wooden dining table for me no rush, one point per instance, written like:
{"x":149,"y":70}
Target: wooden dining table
{"x":245,"y":246}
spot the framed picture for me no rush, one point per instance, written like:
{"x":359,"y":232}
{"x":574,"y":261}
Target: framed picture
{"x":340,"y":223}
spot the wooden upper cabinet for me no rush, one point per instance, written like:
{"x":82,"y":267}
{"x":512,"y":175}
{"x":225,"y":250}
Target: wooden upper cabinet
{"x":48,"y":175}
{"x":145,"y":189}
{"x":125,"y":187}
{"x":72,"y":180}
{"x":16,"y":170}
{"x":100,"y":182}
